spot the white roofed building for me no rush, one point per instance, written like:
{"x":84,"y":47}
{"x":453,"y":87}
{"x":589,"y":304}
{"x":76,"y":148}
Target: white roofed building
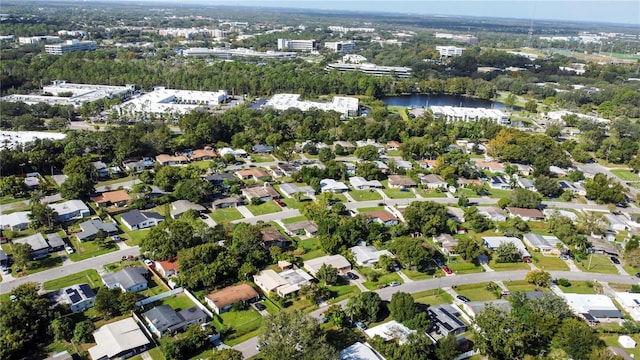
{"x":80,"y":94}
{"x":15,"y":221}
{"x":346,"y":106}
{"x":368,"y":255}
{"x":372,"y":69}
{"x":338,"y":262}
{"x":452,"y":113}
{"x":390,"y":331}
{"x":593,"y":307}
{"x":284,"y":283}
{"x":120,"y":339}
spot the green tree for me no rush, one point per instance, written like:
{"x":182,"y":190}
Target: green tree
{"x":531,"y":106}
{"x":293,"y":335}
{"x":227,"y":354}
{"x":12,"y":186}
{"x":62,"y":328}
{"x":447,"y":348}
{"x":523,"y":198}
{"x":83,"y":331}
{"x":107,"y":301}
{"x":510,"y":100}
{"x":576,"y":338}
{"x":604,"y":190}
{"x":469,"y":248}
{"x":76,"y":186}
{"x":547,"y":186}
{"x":336,"y":315}
{"x":367,"y":153}
{"x":538,"y":278}
{"x":328,"y":274}
{"x":364,"y":307}
{"x":326,"y":154}
{"x":22,"y":255}
{"x":411,"y":251}
{"x":507,"y":252}
{"x":42,"y":215}
{"x":426,"y":217}
{"x":402,"y":307}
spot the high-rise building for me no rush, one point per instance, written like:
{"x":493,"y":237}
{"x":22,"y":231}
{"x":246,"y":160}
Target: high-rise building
{"x":343,"y":47}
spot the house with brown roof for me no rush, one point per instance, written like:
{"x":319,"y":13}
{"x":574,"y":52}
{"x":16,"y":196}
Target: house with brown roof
{"x":222,"y":300}
{"x":525,"y":214}
{"x":227,"y":202}
{"x":271,"y":237}
{"x":252,"y":174}
{"x":169,"y":160}
{"x":490,"y":166}
{"x":264,"y":193}
{"x":393,"y":145}
{"x":400,"y":181}
{"x":383,"y":217}
{"x":447,"y":243}
{"x":167,"y":268}
{"x":203,"y":154}
{"x":427,"y":163}
{"x":112,"y":198}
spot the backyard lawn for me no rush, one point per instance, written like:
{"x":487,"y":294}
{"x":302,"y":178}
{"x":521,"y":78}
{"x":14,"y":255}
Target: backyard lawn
{"x":90,"y":277}
{"x":228,"y":214}
{"x":549,"y":263}
{"x":244,"y":325}
{"x":365,"y":195}
{"x":178,"y":302}
{"x":508,"y":266}
{"x":88,"y":249}
{"x":476,"y":292}
{"x":433,"y":297}
{"x":267,"y":207}
{"x":626,"y":175}
{"x":597,"y":263}
{"x":399,"y":194}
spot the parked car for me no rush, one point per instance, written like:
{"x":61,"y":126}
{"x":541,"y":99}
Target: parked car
{"x":116,"y":238}
{"x":394,"y":283}
{"x":260,"y":306}
{"x":361,"y":326}
{"x":463,"y":298}
{"x":69,"y":249}
{"x":5,"y":271}
{"x":323,"y":320}
{"x":615,"y":260}
{"x":280,"y":202}
{"x":352,"y":276}
{"x":149,"y":263}
{"x":638,"y":274}
{"x":446,"y":270}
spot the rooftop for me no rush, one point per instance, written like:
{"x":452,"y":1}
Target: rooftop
{"x":232,"y":294}
{"x":117,"y":337}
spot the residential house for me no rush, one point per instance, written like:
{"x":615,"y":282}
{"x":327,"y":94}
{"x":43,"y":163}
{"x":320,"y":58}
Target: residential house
{"x":180,"y":207}
{"x":330,"y":185}
{"x":272,"y":237}
{"x":393,"y":145}
{"x":446,"y":317}
{"x":616,"y":222}
{"x":118,"y":340}
{"x":78,"y":297}
{"x":401,"y":182}
{"x":31,"y":182}
{"x":284,"y":283}
{"x":101,"y":169}
{"x":546,"y":245}
{"x":602,"y":246}
{"x":117,"y":198}
{"x":4,"y":259}
{"x":236,"y":153}
{"x":455,"y":214}
{"x":203,"y":154}
{"x":360,"y":183}
{"x":403,"y":165}
{"x":499,"y":182}
{"x":574,"y":188}
{"x":360,"y":351}
{"x":389,"y":331}
{"x":592,"y":307}
{"x":227,"y":202}
{"x":163,"y":319}
{"x":16,"y":221}
{"x":523,"y":170}
{"x":493,"y":242}
{"x":384,"y":168}
{"x":447,"y":243}
{"x":369,"y":256}
{"x":70,"y":210}
{"x":630,"y":303}
{"x":291,"y":189}
{"x":345,"y":145}
{"x":264,"y":193}
{"x":219,"y":179}
{"x":557,"y":171}
{"x":338,"y":262}
{"x":350,"y":168}
{"x":55,"y":242}
{"x":134,"y":165}
{"x":550,"y":213}
{"x":132,"y":279}
{"x":39,"y":246}
{"x":90,"y":229}
{"x":492,"y":213}
{"x":167,"y":268}
{"x":172,"y":160}
{"x":526,"y":184}
{"x":427,"y":164}
{"x":222,"y":300}
{"x":252,"y":174}
{"x":433,"y":181}
{"x":262,"y":149}
{"x":473,"y":308}
{"x":287,"y":169}
{"x":137,"y":220}
{"x":491,"y":166}
{"x":305,"y":229}
{"x":382,"y":217}
{"x":462,"y":182}
{"x":525,"y":214}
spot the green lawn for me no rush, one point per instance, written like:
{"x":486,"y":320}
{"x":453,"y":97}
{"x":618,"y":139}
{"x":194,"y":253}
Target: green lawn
{"x":228,"y":214}
{"x":309,"y":244}
{"x":134,"y":238}
{"x":334,"y":197}
{"x":88,"y":249}
{"x":399,"y":194}
{"x":293,"y":204}
{"x":459,"y":266}
{"x":508,"y":266}
{"x":626,"y":175}
{"x":598,"y":263}
{"x":497,"y":194}
{"x":271,"y":307}
{"x":416,"y":275}
{"x":342,"y":292}
{"x":90,"y":277}
{"x":612,"y":340}
{"x":432,"y":297}
{"x":112,"y":182}
{"x":365,"y":195}
{"x":519,"y":285}
{"x":372,"y":208}
{"x":382,"y":280}
{"x":476,"y":292}
{"x":10,"y":199}
{"x":294,"y":219}
{"x":549,"y":263}
{"x":244,"y":325}
{"x":580,"y":287}
{"x":203,"y":164}
{"x":312,"y":254}
{"x":431,"y":193}
{"x":267,"y":207}
{"x":261,"y":158}
{"x":177,"y":302}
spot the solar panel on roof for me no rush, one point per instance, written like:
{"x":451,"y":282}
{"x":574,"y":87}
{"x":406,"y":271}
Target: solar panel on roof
{"x":588,"y":317}
{"x":447,"y":326}
{"x":69,"y":291}
{"x":453,"y":318}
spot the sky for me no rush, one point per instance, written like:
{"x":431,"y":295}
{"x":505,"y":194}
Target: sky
{"x":613,"y":11}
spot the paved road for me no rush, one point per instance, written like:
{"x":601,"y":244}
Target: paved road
{"x":93,"y":263}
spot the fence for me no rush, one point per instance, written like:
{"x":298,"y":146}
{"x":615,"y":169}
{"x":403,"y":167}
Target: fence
{"x":151,"y":299}
{"x":198,"y":303}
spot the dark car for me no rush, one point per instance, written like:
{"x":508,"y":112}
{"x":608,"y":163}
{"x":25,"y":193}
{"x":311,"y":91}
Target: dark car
{"x":352,"y":276}
{"x":638,"y":275}
{"x":463,"y":298}
{"x":615,"y":260}
{"x":260,"y":306}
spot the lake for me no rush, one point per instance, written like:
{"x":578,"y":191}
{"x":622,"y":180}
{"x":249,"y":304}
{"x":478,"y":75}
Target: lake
{"x":422,"y":100}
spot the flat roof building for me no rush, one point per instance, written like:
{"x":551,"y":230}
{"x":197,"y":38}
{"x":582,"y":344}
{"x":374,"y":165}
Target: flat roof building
{"x":70,"y":46}
{"x":360,"y":351}
{"x":446,"y":317}
{"x":593,"y":307}
{"x":342,"y":47}
{"x":338,"y":262}
{"x":284,"y":283}
{"x":228,"y":54}
{"x":346,"y":106}
{"x":296,"y":45}
{"x":372,"y":69}
{"x":390,"y":331}
{"x":80,"y":93}
{"x":493,"y":242}
{"x":449,"y":51}
{"x":119,"y":339}
{"x":547,"y":245}
{"x":452,"y":113}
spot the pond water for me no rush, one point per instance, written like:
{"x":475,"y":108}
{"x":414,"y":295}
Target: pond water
{"x":423,"y":100}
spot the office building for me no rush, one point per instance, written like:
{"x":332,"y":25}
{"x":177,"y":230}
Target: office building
{"x":342,"y":29}
{"x":468,"y":39}
{"x":347,"y":106}
{"x":449,"y":51}
{"x":296,"y":45}
{"x":343,"y":47}
{"x":228,"y":54}
{"x":452,"y":113}
{"x":372,"y":69}
{"x":162,"y":102}
{"x":70,"y":46}
{"x":80,"y":94}
{"x":35,"y":40}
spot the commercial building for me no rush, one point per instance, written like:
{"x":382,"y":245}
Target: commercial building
{"x":222,"y":300}
{"x":452,"y":113}
{"x":343,"y":29}
{"x":296,"y":45}
{"x":121,"y":339}
{"x":347,"y":106}
{"x":228,"y":54}
{"x":35,"y":40}
{"x":169,"y":103}
{"x":462,"y":38}
{"x":342,"y":47}
{"x":338,"y":262}
{"x":372,"y":69}
{"x":70,"y":46}
{"x":80,"y":93}
{"x":449,"y":51}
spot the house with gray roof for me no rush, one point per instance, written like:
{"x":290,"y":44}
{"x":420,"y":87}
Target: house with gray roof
{"x":136,"y":219}
{"x":526,"y":184}
{"x":180,"y":207}
{"x":79,"y":297}
{"x":15,"y":221}
{"x":289,"y":190}
{"x":546,"y":245}
{"x":132,"y":279}
{"x":55,"y":242}
{"x":70,"y":210}
{"x":446,"y":317}
{"x":39,"y":246}
{"x":91,"y":228}
{"x":227,"y":202}
{"x":163,"y":319}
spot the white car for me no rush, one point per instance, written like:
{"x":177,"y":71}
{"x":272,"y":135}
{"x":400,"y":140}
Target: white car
{"x":148,"y":262}
{"x":69,"y":249}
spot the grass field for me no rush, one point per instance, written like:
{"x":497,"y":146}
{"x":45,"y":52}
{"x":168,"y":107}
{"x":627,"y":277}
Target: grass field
{"x":548,"y":263}
{"x":580,"y":287}
{"x":365,"y":195}
{"x":90,"y":277}
{"x":244,"y":324}
{"x":476,"y":292}
{"x":268,"y":207}
{"x":498,"y":194}
{"x":508,"y":266}
{"x":612,"y":340}
{"x":372,"y":208}
{"x":178,"y":302}
{"x":134,"y":238}
{"x":432,"y":297}
{"x":519,"y":285}
{"x":416,"y":275}
{"x":626,"y":175}
{"x":463,"y":267}
{"x":598,"y":263}
{"x":88,"y":249}
{"x":398,"y":194}
{"x":312,"y":254}
{"x":431,"y":193}
{"x":382,"y":280}
{"x":294,"y":219}
{"x":228,"y":214}
{"x":261,"y":158}
{"x":342,"y":292}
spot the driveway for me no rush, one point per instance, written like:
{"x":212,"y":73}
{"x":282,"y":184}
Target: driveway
{"x":248,"y":348}
{"x":244,"y":212}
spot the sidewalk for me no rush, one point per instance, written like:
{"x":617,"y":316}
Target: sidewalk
{"x":348,"y":196}
{"x":404,"y":277}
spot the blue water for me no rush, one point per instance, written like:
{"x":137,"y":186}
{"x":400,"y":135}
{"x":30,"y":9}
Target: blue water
{"x":421,"y":100}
